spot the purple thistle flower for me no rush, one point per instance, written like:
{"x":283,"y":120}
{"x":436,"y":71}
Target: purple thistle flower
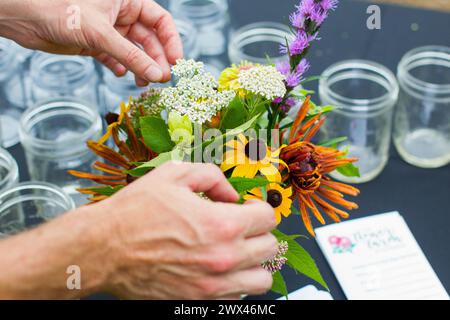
{"x":301,"y":42}
{"x":293,"y":80}
{"x":284,"y":67}
{"x":303,"y":66}
{"x":297,"y":20}
{"x":328,"y":5}
{"x":277,"y":100}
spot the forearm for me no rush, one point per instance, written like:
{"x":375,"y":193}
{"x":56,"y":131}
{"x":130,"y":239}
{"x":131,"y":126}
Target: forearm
{"x":34,"y":264}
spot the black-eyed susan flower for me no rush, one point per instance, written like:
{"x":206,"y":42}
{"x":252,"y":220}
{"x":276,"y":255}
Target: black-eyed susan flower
{"x":309,"y":166}
{"x":277,"y":196}
{"x":247,"y":158}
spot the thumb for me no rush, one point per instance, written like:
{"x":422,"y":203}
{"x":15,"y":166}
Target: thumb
{"x":131,"y":56}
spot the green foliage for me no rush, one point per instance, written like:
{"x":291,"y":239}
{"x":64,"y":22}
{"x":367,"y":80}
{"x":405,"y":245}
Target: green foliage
{"x":279,"y":285}
{"x":156,"y":134}
{"x":299,"y":259}
{"x":107,"y":191}
{"x":242,"y":185}
{"x":349,"y":170}
{"x":235,"y":115}
{"x":176,"y":155}
{"x":333,"y":143}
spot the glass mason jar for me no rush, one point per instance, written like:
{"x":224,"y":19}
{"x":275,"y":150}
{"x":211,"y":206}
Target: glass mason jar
{"x":9,"y":171}
{"x":54,"y":135}
{"x":63,"y":76}
{"x":29,"y":204}
{"x":188,"y":35}
{"x":365,"y":94}
{"x":422,"y":121}
{"x":13,"y":92}
{"x":258,"y":41}
{"x":210,"y":18}
{"x":114,"y":90}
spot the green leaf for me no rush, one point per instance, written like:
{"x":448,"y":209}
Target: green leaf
{"x":349,"y":170}
{"x":333,"y":142}
{"x":156,"y":134}
{"x":162,"y":158}
{"x":107,"y":191}
{"x":242,"y":185}
{"x":311,"y":78}
{"x":299,"y":259}
{"x":279,"y":285}
{"x":235,"y":115}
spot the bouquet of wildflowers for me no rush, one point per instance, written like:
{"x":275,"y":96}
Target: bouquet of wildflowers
{"x":239,"y":122}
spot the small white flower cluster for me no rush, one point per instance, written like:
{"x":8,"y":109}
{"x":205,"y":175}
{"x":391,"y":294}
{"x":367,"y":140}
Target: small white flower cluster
{"x":187,"y":68}
{"x":265,"y":81}
{"x":195,"y":94}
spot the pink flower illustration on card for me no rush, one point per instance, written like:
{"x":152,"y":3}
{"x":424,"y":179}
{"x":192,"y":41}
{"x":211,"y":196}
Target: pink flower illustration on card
{"x":341,"y":244}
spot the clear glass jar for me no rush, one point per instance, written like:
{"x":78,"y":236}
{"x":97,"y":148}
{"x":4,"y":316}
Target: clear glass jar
{"x":422,"y":121}
{"x":54,"y":135}
{"x":258,"y":41}
{"x":13,"y":92}
{"x":188,"y":35}
{"x":365,"y":93}
{"x":9,"y":171}
{"x":210,"y":18}
{"x":114,"y":90}
{"x":63,"y":76}
{"x":29,"y":204}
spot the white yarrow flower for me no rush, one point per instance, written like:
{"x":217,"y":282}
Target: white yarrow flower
{"x":195,"y":94}
{"x":265,"y":81}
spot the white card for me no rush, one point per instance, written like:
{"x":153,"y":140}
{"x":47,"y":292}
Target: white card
{"x":308,"y":293}
{"x":378,"y":258}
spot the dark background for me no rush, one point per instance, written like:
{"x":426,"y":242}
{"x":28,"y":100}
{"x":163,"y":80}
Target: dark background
{"x":422,"y":196}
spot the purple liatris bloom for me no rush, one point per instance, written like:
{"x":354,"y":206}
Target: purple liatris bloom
{"x":303,"y":66}
{"x":299,"y":44}
{"x":328,"y":5}
{"x":297,"y":20}
{"x":276,"y":264}
{"x":284,"y":67}
{"x":289,"y":103}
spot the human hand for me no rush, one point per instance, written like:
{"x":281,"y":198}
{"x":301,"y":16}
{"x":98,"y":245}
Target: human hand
{"x":168,"y":243}
{"x":108,"y":30}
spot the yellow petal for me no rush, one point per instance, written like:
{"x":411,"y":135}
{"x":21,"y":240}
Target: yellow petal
{"x":271,"y":173}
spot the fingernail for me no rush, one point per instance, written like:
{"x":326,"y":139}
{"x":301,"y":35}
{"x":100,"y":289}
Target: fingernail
{"x":153,"y":74}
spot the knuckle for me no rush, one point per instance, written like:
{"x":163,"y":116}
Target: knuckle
{"x":209,"y":287}
{"x":223,"y":261}
{"x":229,"y":230}
{"x":133,"y":56}
{"x":266,"y":281}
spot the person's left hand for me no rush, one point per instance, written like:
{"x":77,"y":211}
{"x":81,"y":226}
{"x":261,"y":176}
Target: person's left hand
{"x":112,"y":31}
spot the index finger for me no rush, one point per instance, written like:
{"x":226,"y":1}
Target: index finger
{"x":254,"y":217}
{"x":155,"y":17}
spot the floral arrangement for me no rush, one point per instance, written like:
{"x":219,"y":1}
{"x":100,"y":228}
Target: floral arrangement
{"x":241,"y":123}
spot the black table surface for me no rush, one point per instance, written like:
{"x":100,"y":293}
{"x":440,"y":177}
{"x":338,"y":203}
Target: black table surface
{"x":422,"y":196}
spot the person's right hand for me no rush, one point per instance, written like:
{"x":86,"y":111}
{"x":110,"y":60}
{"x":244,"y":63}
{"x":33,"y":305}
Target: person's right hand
{"x":169,"y":243}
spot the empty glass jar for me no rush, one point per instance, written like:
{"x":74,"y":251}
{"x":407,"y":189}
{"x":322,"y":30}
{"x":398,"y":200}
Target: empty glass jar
{"x":63,"y":76}
{"x":29,"y":204}
{"x":13,"y":92}
{"x":422,"y":121}
{"x":54,"y":135}
{"x":114,"y":90}
{"x":210,"y":18}
{"x":188,"y":35}
{"x":9,"y":171}
{"x":365,"y":93}
{"x":258,"y":41}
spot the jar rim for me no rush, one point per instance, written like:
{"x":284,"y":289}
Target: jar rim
{"x":380,"y":74}
{"x":428,"y":55}
{"x":27,"y":123}
{"x":257,"y":32}
{"x":13,"y":168}
{"x":36,"y":70}
{"x":66,"y":201}
{"x":198,"y":11}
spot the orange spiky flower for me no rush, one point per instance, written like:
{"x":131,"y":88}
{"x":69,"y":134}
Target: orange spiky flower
{"x":309,"y":166}
{"x":132,"y":150}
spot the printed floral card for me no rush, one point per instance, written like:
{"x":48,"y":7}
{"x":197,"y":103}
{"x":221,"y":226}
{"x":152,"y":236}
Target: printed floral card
{"x":378,"y":258}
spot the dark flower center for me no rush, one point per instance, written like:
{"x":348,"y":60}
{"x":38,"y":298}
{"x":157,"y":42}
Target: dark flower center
{"x":307,"y":165}
{"x":111,"y":118}
{"x":256,"y":149}
{"x":274,"y":198}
